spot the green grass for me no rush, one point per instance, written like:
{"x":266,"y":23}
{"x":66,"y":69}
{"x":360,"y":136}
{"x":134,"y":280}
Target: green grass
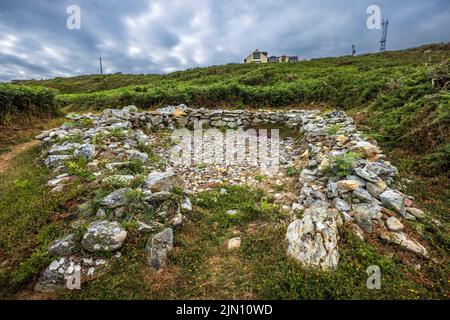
{"x":30,"y":218}
{"x":19,"y":102}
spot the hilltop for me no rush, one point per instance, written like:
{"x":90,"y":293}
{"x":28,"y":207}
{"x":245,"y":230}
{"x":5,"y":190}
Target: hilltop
{"x":399,"y":97}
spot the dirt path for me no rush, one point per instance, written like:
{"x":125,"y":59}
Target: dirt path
{"x":7,"y":158}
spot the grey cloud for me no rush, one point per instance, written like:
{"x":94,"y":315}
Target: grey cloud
{"x":157,"y":36}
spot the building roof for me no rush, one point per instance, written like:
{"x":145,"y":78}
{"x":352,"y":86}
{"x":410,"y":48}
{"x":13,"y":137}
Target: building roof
{"x":259,"y":51}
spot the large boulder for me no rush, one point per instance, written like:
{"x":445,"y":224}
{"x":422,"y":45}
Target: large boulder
{"x":163,"y":181}
{"x":103,"y":235}
{"x":158,"y":247}
{"x":312,"y":240}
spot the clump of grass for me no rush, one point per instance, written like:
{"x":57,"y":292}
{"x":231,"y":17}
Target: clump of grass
{"x":134,"y":166}
{"x":87,"y":122}
{"x":334,"y":129}
{"x":78,"y":167}
{"x":73,"y":138}
{"x":341,"y":165}
{"x":292,"y":171}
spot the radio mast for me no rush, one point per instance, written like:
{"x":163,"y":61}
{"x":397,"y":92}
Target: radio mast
{"x":385,"y":25}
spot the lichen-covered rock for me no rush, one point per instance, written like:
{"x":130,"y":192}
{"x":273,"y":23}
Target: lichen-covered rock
{"x":116,"y":198}
{"x":347,"y":185}
{"x":375,"y":189}
{"x":56,"y":160}
{"x":86,"y":151}
{"x":159,"y":196}
{"x":158,"y":247}
{"x":415,"y":212}
{"x":163,"y":181}
{"x":312,"y":240}
{"x":137,"y":155}
{"x":63,"y":246}
{"x":103,"y":235}
{"x":56,"y":274}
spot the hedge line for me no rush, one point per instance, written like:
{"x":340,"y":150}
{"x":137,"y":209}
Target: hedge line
{"x":18,"y":102}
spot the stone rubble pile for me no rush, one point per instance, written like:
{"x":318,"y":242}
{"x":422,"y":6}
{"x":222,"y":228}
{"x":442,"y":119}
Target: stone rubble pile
{"x":112,"y":154}
{"x":346,"y":181}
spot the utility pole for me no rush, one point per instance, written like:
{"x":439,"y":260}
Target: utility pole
{"x":353,"y":50}
{"x":385,"y":25}
{"x":101,"y":66}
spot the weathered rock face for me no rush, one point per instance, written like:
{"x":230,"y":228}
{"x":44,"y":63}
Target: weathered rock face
{"x":103,"y":236}
{"x":163,"y":181}
{"x":158,"y":247}
{"x":313,"y":239}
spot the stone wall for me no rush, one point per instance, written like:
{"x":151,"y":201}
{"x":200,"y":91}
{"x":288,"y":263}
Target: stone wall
{"x":345,"y":182}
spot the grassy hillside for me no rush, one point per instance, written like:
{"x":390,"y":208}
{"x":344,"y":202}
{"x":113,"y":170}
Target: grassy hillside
{"x":18,"y":102}
{"x":401,"y":97}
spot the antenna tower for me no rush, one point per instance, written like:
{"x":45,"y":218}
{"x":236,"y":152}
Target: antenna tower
{"x":384,"y":24}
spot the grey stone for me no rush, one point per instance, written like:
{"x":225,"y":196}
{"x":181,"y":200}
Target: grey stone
{"x":86,"y":151}
{"x":312,"y":240}
{"x":371,"y":210}
{"x":341,"y":205}
{"x":103,"y":235}
{"x":375,"y":189}
{"x":115,"y":199}
{"x":163,"y":181}
{"x":382,"y":169}
{"x":63,"y":246}
{"x":415,"y":212}
{"x":363,"y":195}
{"x":158,"y":247}
{"x":186,"y":204}
{"x":56,"y":160}
{"x":364,"y":221}
{"x":367,"y":175}
{"x":137,"y":155}
{"x":159,"y":196}
{"x":401,"y":239}
{"x":393,"y":199}
{"x":394,"y":224}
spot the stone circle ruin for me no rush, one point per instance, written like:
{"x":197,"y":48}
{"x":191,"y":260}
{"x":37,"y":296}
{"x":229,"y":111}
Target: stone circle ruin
{"x":344,"y":181}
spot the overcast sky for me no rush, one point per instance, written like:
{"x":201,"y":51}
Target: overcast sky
{"x":160,"y":36}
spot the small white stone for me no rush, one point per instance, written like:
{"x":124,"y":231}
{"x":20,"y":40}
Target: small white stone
{"x":234,"y":243}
